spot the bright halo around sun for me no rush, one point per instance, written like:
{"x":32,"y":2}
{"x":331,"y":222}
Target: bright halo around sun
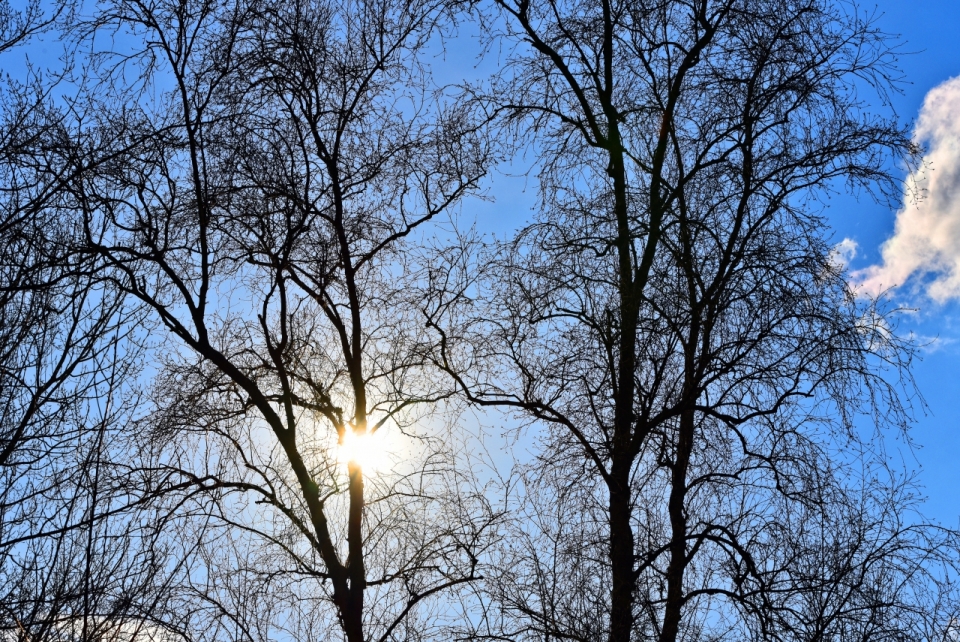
{"x":365,"y":449}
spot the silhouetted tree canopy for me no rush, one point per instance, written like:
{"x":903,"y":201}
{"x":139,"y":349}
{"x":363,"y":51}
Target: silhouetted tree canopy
{"x":235,"y":262}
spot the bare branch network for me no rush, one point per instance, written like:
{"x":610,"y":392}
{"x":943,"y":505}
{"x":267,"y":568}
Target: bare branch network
{"x":261,"y":378}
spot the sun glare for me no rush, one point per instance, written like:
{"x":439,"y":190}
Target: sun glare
{"x":365,"y":449}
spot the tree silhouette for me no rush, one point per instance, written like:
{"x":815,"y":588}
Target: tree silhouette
{"x":675,"y":319}
{"x":259,"y":208}
{"x":231,"y":252}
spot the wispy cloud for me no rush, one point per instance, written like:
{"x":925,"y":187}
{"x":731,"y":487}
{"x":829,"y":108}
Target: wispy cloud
{"x":844,"y":252}
{"x":926,"y":238}
{"x":932,"y":344}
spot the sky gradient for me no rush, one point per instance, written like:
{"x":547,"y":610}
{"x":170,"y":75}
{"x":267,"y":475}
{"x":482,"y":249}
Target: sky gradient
{"x":924,"y":253}
{"x":929,"y":33}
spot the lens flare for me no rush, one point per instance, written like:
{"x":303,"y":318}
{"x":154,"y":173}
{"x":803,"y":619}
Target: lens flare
{"x":364,"y":449}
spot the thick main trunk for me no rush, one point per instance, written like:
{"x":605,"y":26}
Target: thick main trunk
{"x":622,"y":594}
{"x":623,"y":590}
{"x":673,"y":609}
{"x":353,"y":615}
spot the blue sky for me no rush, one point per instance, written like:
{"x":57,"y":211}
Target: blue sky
{"x":930,"y":34}
{"x":931,"y":31}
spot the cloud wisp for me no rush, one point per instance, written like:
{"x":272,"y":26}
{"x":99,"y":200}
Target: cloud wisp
{"x":926,"y":238}
{"x":844,"y":252}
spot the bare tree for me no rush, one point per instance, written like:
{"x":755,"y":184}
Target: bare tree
{"x":270,"y":164}
{"x":676,"y":321}
{"x":243,"y":191}
{"x":35,"y":17}
{"x":72,"y":561}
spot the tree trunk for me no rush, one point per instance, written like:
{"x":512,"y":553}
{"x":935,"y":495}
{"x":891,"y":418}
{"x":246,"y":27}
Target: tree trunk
{"x":621,"y":557}
{"x":678,"y":527}
{"x":353,"y":616}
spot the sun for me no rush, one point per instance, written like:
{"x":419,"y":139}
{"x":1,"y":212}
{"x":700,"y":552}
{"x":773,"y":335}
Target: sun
{"x":364,"y":449}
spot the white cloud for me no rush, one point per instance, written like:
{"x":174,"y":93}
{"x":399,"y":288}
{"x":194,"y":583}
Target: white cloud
{"x":843,"y":252}
{"x":929,"y":344}
{"x":926,"y":236}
